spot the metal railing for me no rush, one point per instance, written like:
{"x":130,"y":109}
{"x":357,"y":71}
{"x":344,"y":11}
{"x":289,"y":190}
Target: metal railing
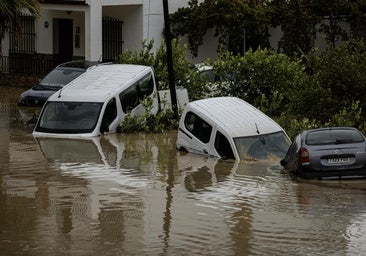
{"x":31,"y":64}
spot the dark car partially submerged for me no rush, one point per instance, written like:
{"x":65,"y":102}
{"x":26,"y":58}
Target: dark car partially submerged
{"x":336,"y":152}
{"x":53,"y":81}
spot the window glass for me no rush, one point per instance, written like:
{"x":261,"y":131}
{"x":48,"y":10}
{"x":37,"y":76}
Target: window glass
{"x":189,"y":121}
{"x":262,"y":146}
{"x":333,"y":136}
{"x":129,"y":99}
{"x":208,"y":75}
{"x":110,"y":114}
{"x":69,"y":117}
{"x":198,"y":127}
{"x":60,"y":77}
{"x":223,"y":147}
{"x":146,"y":86}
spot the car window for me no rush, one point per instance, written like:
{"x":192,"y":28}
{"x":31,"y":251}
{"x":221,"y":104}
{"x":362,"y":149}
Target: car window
{"x":110,"y":114}
{"x":146,"y":85}
{"x":333,"y":136}
{"x":262,"y":146}
{"x":69,"y":117}
{"x":129,"y":98}
{"x":208,"y":75}
{"x":60,"y":77}
{"x":198,"y":127}
{"x":223,"y":147}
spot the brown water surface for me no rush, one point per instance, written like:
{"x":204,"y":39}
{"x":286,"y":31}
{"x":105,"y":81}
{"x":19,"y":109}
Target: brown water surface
{"x":136,"y":195}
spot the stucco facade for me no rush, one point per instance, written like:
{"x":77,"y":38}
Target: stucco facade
{"x":73,"y":29}
{"x":142,"y":19}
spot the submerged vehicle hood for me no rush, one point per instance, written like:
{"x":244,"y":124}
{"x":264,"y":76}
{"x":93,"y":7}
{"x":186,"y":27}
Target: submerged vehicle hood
{"x":36,"y":96}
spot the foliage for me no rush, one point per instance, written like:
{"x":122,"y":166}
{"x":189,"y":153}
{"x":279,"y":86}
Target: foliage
{"x":338,"y":79}
{"x":181,"y":65}
{"x":294,"y":125}
{"x":197,"y":86}
{"x":314,"y":90}
{"x":158,"y":60}
{"x":228,"y":19}
{"x":297,"y":22}
{"x":261,"y":77}
{"x":149,"y":122}
{"x":300,"y":21}
{"x":348,"y":116}
{"x":301,"y":93}
{"x":144,"y":56}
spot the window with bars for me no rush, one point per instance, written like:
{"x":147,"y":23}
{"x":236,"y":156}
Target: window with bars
{"x":112,"y":38}
{"x":23,"y":42}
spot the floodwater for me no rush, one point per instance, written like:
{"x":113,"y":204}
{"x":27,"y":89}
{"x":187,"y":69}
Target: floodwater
{"x":136,"y":195}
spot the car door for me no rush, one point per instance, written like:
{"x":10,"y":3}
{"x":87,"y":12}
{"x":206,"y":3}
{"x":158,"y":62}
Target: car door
{"x":292,"y":157}
{"x":198,"y":134}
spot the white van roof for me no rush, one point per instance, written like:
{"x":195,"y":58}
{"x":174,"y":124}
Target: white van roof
{"x":235,"y":115}
{"x":99,"y":82}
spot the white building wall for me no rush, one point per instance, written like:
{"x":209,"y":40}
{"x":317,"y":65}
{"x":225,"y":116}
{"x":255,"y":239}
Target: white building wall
{"x":44,"y":40}
{"x":132,"y":17}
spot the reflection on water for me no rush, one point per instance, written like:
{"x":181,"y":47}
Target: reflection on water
{"x":136,"y":195}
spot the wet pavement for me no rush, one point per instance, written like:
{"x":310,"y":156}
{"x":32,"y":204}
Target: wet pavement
{"x":134,"y":194}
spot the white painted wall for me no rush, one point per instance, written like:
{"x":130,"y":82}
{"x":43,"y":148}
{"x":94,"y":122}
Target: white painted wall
{"x":143,"y":19}
{"x":44,"y":40}
{"x":132,"y":18}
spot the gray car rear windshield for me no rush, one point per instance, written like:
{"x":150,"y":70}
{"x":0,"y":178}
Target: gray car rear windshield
{"x":333,"y":136}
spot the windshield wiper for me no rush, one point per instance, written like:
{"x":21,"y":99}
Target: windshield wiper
{"x":342,"y":141}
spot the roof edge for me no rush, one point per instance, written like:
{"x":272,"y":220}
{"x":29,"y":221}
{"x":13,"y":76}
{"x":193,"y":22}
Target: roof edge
{"x":63,"y":2}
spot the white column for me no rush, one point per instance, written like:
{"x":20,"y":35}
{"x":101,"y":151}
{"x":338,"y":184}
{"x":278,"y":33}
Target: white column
{"x":93,"y":31}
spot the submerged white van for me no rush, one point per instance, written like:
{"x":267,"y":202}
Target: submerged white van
{"x":96,"y":102}
{"x":230,"y":128}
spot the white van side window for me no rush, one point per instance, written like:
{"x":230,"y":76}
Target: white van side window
{"x":222,"y":146}
{"x":198,"y":127}
{"x":146,"y":85}
{"x":110,"y":114}
{"x":129,"y":98}
{"x":132,"y":96}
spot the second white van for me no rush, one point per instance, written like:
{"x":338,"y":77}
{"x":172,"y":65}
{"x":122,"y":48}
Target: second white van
{"x":230,"y":128}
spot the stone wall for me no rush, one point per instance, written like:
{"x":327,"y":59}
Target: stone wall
{"x":19,"y":80}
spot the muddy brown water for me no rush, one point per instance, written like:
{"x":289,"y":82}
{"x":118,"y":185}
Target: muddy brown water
{"x":134,"y":194}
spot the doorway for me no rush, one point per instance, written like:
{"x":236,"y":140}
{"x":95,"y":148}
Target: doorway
{"x":63,"y":39}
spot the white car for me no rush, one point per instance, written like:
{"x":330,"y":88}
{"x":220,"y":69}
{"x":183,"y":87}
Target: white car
{"x":230,"y":128}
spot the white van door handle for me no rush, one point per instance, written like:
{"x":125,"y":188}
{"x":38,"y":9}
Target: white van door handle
{"x":205,"y":151}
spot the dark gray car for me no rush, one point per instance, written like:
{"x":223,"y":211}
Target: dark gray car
{"x":333,"y":152}
{"x":53,"y":81}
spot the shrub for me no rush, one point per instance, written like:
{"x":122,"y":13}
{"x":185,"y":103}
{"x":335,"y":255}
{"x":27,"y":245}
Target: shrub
{"x":321,"y":90}
{"x":338,"y":79}
{"x":148,"y":122}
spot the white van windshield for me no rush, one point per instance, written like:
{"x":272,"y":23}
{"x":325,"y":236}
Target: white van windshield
{"x":69,"y":117}
{"x":262,"y":146}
